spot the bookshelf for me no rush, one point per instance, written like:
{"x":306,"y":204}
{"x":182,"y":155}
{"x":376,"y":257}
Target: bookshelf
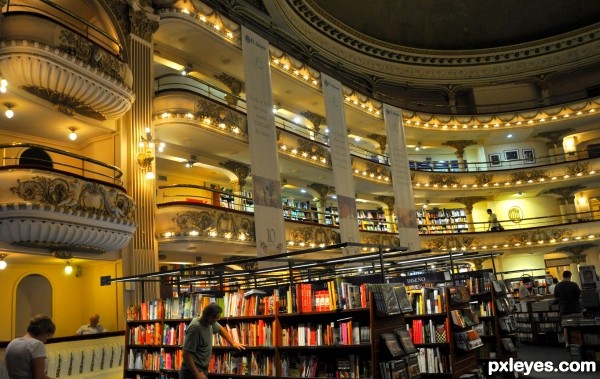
{"x":442,"y":221}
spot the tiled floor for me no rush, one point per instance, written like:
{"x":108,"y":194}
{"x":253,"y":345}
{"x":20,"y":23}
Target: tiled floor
{"x":531,"y":353}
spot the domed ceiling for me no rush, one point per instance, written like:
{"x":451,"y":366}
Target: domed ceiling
{"x":460,"y":25}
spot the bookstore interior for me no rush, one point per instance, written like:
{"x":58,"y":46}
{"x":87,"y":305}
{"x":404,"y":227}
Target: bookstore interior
{"x":363,"y":200}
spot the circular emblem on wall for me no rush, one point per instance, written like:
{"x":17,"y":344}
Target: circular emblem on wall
{"x":515,"y":214}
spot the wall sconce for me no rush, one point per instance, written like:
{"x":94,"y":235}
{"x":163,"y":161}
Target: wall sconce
{"x":73,"y":135}
{"x":3,"y":84}
{"x":2,"y":261}
{"x":146,"y":156}
{"x":68,"y":268}
{"x":9,"y":113}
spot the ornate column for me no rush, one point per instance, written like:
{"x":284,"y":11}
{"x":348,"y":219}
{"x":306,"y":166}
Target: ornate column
{"x":555,"y":142}
{"x":241,"y":171}
{"x":323,"y":190}
{"x":460,"y":146}
{"x":141,"y":256}
{"x":381,"y":141}
{"x":468,"y":202}
{"x":236,"y":87}
{"x":390,"y":203}
{"x":566,"y":206}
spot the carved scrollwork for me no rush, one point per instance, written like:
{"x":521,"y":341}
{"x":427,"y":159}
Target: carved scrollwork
{"x":90,"y":198}
{"x":442,"y":180}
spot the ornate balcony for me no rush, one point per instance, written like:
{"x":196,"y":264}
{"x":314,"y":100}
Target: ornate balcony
{"x":78,"y":66}
{"x":59,"y":202}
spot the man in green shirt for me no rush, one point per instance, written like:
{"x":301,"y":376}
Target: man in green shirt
{"x":198,"y":343}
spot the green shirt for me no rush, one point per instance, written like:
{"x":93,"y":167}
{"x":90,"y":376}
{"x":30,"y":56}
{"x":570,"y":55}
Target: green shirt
{"x":199,"y":342}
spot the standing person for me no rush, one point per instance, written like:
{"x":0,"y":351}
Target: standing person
{"x":93,"y":327}
{"x":198,"y":343}
{"x":552,"y":286}
{"x":567,"y":293}
{"x":524,"y":291}
{"x":493,"y":224}
{"x":26,"y":356}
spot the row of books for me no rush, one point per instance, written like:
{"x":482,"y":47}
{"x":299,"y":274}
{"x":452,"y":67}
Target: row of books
{"x":259,"y":333}
{"x":432,"y":361}
{"x":428,"y":300}
{"x":485,"y":309}
{"x":332,"y":295}
{"x":187,"y":306}
{"x":248,"y":363}
{"x":254,"y":302}
{"x":422,"y":331}
{"x":464,"y":317}
{"x":303,"y":366}
{"x":476,"y":285}
{"x":154,"y":360}
{"x":468,"y":339}
{"x":153,"y":334}
{"x":346,"y":332}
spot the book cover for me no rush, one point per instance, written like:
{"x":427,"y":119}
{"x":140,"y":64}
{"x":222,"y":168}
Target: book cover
{"x":392,"y":344}
{"x":405,"y":340}
{"x":392,"y":306}
{"x":397,"y":369}
{"x":402,"y":297}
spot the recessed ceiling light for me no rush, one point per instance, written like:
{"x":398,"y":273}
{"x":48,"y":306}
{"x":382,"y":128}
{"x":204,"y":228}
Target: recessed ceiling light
{"x":509,"y":136}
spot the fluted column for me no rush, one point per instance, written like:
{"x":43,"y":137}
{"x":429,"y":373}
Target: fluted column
{"x":141,"y":256}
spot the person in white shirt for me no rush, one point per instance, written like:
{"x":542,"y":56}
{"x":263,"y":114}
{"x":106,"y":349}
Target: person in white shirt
{"x":93,"y":327}
{"x":552,"y":286}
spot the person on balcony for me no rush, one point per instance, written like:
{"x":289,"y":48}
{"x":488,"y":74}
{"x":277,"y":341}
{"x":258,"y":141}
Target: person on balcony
{"x":493,"y":224}
{"x":93,"y":327}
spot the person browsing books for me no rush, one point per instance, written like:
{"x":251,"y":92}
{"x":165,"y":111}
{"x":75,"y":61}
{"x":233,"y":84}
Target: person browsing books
{"x":198,"y":342}
{"x":493,"y":224}
{"x":26,"y":356}
{"x":93,"y":327}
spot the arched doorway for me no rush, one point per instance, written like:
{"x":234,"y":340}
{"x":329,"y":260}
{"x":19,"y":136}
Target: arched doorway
{"x":35,"y":156}
{"x":34,"y":296}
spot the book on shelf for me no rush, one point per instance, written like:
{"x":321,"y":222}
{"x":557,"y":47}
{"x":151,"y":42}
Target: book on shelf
{"x":412,"y":364}
{"x":402,"y":297}
{"x":395,"y":369}
{"x":500,"y":287}
{"x":467,"y":340}
{"x":459,"y":295}
{"x":405,"y":340}
{"x":392,"y":344}
{"x":507,"y":323}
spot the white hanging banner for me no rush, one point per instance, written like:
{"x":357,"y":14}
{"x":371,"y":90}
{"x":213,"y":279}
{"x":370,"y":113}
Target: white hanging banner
{"x":403,"y":193}
{"x":268,"y":211}
{"x":340,"y":161}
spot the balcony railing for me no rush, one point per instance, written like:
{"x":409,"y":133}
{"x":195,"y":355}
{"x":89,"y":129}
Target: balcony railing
{"x":68,"y":19}
{"x":49,"y":158}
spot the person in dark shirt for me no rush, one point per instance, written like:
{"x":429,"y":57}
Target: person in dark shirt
{"x":567,"y":293}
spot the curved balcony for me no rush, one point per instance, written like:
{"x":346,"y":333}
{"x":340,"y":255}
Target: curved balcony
{"x":58,"y":201}
{"x":77,"y":66}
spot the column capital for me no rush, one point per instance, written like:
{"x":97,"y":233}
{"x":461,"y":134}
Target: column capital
{"x":460,"y":146}
{"x":241,"y":170}
{"x":380,"y":139}
{"x":468,"y":201}
{"x":322,"y":189}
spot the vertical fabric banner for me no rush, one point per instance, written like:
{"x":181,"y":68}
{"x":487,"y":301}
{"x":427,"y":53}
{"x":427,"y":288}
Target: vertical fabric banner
{"x":268,"y":211}
{"x":403,"y":193}
{"x":340,"y":161}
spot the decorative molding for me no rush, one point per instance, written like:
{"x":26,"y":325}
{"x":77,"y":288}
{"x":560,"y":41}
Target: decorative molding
{"x":460,"y":146}
{"x":141,"y":25}
{"x":241,"y":170}
{"x":389,"y":201}
{"x":468,"y":201}
{"x":316,"y":119}
{"x":443,"y":180}
{"x":322,"y":189}
{"x":529,"y":176}
{"x":235,"y":85}
{"x":93,"y":55}
{"x":216,"y":224}
{"x":64,"y":103}
{"x":381,"y":141}
{"x":554,"y":137}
